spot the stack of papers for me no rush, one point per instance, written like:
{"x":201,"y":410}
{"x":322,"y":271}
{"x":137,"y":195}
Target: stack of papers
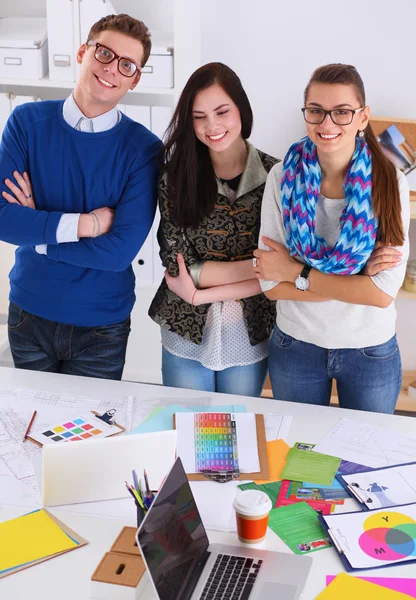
{"x":33,"y":538}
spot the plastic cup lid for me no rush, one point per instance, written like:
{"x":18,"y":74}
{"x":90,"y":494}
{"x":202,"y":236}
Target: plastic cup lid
{"x":252,"y":503}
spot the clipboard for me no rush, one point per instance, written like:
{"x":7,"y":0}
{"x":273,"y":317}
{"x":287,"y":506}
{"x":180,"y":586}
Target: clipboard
{"x":339,"y":541}
{"x":70,"y":532}
{"x":105,"y":420}
{"x":237,"y":475}
{"x":361,"y":495}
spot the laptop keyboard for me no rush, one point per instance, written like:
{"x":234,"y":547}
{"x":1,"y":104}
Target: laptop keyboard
{"x":231,"y":578}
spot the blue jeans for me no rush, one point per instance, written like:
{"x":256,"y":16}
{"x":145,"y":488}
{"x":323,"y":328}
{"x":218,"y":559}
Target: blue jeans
{"x":367,"y":378}
{"x":41,"y":345}
{"x":180,"y":372}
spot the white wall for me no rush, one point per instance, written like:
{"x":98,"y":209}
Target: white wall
{"x":274,"y":46}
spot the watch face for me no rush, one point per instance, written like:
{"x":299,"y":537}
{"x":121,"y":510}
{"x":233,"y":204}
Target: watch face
{"x":302,"y":283}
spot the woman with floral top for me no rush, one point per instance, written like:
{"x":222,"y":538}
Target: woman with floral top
{"x":215,"y":322}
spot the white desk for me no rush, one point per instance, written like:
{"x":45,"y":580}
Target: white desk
{"x":68,"y":576}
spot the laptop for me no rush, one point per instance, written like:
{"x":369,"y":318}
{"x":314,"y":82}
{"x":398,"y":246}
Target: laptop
{"x":183,"y":565}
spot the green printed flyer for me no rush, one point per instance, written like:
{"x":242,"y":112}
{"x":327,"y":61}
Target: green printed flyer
{"x":298,"y":527}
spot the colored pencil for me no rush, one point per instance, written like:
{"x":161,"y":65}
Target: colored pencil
{"x":146,"y":481}
{"x":30,"y":425}
{"x":135,"y":480}
{"x":135,"y":494}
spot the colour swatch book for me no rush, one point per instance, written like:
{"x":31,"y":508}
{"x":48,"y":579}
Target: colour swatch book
{"x":84,"y":427}
{"x":32,"y":538}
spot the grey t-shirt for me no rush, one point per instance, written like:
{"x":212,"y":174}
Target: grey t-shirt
{"x":333,"y":324}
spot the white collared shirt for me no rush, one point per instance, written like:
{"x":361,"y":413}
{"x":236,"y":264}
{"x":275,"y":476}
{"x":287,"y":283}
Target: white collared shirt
{"x":67,"y":230}
{"x":76,"y":118}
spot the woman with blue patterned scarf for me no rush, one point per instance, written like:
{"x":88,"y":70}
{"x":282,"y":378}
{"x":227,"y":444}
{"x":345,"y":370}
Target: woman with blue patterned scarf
{"x":333,"y":251}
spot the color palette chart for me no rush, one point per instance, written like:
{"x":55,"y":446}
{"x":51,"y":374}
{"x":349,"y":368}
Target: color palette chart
{"x":82,"y":428}
{"x":215,"y":442}
{"x":389,"y":536}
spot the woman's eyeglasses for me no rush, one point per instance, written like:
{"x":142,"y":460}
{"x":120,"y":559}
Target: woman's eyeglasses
{"x":339,"y":116}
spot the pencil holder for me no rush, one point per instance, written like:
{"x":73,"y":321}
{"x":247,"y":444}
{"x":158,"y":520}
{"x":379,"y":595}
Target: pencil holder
{"x":119,"y":575}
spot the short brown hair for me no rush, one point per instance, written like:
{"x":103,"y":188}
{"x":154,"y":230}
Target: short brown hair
{"x":124,"y":24}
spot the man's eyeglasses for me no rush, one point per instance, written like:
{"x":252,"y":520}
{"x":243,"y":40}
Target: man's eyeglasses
{"x":339,"y":116}
{"x":105,"y":56}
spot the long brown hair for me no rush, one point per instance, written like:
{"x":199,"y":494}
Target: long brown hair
{"x":385,"y":187}
{"x":192,"y":185}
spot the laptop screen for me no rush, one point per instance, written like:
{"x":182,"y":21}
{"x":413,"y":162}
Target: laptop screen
{"x":172,"y":538}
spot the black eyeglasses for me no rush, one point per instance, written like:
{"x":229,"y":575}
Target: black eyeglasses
{"x":105,"y":56}
{"x":339,"y":116}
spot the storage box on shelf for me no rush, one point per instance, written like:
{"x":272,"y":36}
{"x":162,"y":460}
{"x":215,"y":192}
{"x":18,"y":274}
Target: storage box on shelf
{"x":23,"y":48}
{"x":69,"y":22}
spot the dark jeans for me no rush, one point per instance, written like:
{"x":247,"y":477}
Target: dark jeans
{"x":41,"y":345}
{"x":367,"y":378}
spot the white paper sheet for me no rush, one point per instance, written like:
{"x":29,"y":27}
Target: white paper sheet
{"x":367,"y":444}
{"x":215,"y":503}
{"x":248,"y":457}
{"x":277,"y":426}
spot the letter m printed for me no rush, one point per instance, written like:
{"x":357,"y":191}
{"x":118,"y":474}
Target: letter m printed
{"x":379,"y":550}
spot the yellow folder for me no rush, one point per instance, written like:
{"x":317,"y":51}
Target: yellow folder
{"x":346,"y":587}
{"x":31,"y":537}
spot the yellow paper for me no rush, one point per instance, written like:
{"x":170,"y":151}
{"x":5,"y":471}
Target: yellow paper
{"x":29,"y":538}
{"x":276,"y":453}
{"x":347,"y":587}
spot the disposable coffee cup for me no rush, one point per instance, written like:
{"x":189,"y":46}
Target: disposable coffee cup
{"x":252,"y":509}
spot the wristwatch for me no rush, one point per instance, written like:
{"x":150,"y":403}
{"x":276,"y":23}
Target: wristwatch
{"x":302,"y":280}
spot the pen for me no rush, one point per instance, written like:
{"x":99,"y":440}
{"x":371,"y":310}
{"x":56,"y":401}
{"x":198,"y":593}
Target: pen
{"x":30,"y":425}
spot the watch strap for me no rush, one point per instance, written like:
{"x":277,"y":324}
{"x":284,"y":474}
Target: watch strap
{"x":305,"y":271}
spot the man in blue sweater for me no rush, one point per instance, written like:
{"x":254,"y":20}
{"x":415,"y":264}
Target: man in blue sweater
{"x":81,"y":211}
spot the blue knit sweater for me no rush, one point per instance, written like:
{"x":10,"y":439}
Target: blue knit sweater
{"x":90,"y":282}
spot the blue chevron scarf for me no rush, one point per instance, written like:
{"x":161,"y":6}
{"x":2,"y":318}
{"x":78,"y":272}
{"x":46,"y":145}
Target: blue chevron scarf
{"x":300,"y":188}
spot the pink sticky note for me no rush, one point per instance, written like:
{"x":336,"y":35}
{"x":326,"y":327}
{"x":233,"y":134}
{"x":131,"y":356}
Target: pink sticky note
{"x":398,"y":584}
